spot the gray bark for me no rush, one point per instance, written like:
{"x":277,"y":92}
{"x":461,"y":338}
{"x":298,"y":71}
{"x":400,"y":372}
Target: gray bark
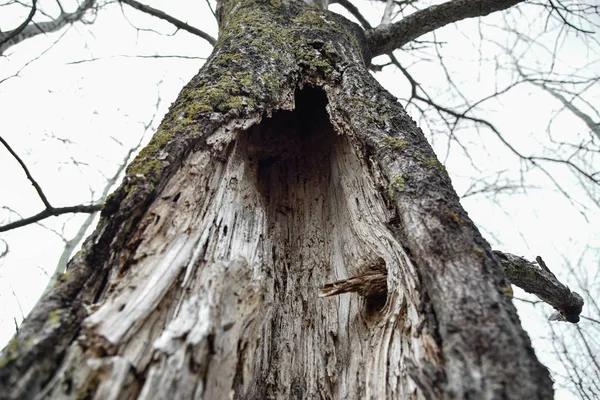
{"x":386,"y":38}
{"x":283,"y":166}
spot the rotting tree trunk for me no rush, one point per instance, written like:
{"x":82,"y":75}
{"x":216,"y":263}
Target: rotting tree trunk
{"x":281,"y":167}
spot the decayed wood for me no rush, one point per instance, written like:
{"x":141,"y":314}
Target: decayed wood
{"x":533,"y":277}
{"x":282,"y":166}
{"x":370,"y":283}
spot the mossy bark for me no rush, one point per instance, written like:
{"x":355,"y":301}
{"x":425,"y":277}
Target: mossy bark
{"x":282,"y":166}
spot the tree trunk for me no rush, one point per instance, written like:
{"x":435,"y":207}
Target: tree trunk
{"x":282,"y":166}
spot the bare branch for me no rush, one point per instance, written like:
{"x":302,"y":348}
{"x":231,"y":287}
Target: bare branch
{"x":6,"y":37}
{"x":538,"y":279}
{"x":49,"y":211}
{"x":352,"y":9}
{"x":592,"y":176}
{"x":593,"y":126}
{"x":37,"y":187}
{"x":6,"y":249}
{"x":385,"y":39}
{"x":387,"y":13}
{"x":211,"y":8}
{"x":164,"y":16}
{"x":52,"y":212}
{"x":29,"y":29}
{"x":372,"y":284}
{"x":135,"y":56}
{"x":39,"y":56}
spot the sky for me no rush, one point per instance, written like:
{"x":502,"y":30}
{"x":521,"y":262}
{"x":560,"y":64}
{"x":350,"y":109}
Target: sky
{"x":74,"y":112}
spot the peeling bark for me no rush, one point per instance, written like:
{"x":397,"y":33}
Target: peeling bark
{"x":283,"y":166}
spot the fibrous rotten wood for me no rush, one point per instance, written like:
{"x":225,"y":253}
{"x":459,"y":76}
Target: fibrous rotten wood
{"x":283,"y":166}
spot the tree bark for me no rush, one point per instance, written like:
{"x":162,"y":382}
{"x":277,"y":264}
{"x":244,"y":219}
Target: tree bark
{"x":283,"y":166}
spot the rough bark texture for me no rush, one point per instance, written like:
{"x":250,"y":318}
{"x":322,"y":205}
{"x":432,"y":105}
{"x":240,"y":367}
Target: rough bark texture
{"x":539,"y":280}
{"x":282,"y":166}
{"x":387,"y":38}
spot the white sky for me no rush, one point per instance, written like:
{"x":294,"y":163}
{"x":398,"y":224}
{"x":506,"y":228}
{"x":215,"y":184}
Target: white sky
{"x":93,"y":103}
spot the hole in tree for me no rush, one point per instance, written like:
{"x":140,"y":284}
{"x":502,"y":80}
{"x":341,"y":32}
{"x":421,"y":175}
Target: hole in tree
{"x":309,"y":184}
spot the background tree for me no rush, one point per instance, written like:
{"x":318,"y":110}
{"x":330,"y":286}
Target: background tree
{"x":395,"y":188}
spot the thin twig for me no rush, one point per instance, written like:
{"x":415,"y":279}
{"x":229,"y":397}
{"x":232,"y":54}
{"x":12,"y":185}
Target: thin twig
{"x":178,"y":23}
{"x":37,"y":187}
{"x":52,"y":212}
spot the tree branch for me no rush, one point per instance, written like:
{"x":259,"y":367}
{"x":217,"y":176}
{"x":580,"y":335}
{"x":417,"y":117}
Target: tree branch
{"x":352,"y":9}
{"x":383,"y":40}
{"x":537,"y":279}
{"x":49,"y":211}
{"x":29,"y":29}
{"x":529,"y":276}
{"x":52,"y":212}
{"x":592,"y":126}
{"x":164,"y":16}
{"x":5,"y":37}
{"x":37,"y":187}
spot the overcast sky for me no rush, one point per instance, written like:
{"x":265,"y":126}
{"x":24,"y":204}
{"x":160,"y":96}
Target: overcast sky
{"x":73,"y":113}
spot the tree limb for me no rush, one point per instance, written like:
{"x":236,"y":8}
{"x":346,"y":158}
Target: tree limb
{"x":164,"y":16}
{"x":592,"y":126}
{"x":385,"y":39}
{"x":52,"y":212}
{"x":529,"y":276}
{"x":49,"y":211}
{"x":537,"y":279}
{"x":37,"y":187}
{"x":29,"y":29}
{"x":352,"y":9}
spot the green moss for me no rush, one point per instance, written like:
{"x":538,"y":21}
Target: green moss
{"x":395,"y":143}
{"x":245,"y":79}
{"x":365,"y":107}
{"x":507,"y":291}
{"x":512,"y":270}
{"x":10,"y":352}
{"x":147,"y":162}
{"x":259,"y":34}
{"x":270,"y":81}
{"x":30,"y":340}
{"x":54,"y":316}
{"x":396,"y":184}
{"x":64,"y":277}
{"x":310,"y":17}
{"x":275,"y":5}
{"x":227,"y":59}
{"x":225,"y":93}
{"x":261,"y":26}
{"x":434,"y":163}
{"x":160,"y":138}
{"x":453,"y":216}
{"x":145,"y":167}
{"x":376,"y":113}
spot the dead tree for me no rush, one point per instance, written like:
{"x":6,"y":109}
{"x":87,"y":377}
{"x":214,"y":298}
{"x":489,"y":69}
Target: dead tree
{"x":283,"y":166}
